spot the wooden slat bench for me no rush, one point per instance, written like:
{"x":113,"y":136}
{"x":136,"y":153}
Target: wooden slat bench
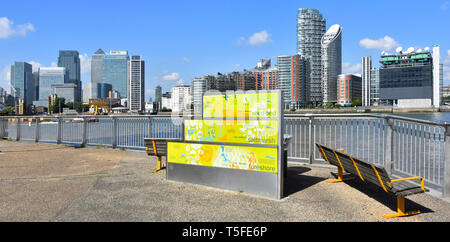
{"x":376,"y":175}
{"x":158,"y":147}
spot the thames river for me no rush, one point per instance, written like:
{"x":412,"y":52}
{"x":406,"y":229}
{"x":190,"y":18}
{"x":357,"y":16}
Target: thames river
{"x":432,"y":116}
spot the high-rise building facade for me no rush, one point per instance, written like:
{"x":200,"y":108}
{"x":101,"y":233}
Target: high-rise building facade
{"x":437,"y":83}
{"x":181,"y":98}
{"x":366,"y":80}
{"x":198,"y":89}
{"x":349,"y":89}
{"x":293,"y":79}
{"x":310,"y":30}
{"x":136,"y":83}
{"x":406,"y":79}
{"x":266,"y":76}
{"x":49,"y":76}
{"x":97,"y":66}
{"x":331,"y":62}
{"x":70,"y":60}
{"x":93,"y":90}
{"x":374,"y":88}
{"x":114,"y":71}
{"x":22,"y":82}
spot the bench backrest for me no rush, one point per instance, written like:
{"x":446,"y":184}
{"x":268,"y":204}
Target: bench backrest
{"x":365,"y":171}
{"x":160,"y":146}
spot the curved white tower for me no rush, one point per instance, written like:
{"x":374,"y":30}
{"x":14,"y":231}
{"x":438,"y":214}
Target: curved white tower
{"x":331,"y":62}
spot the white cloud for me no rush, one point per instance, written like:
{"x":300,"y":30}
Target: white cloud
{"x":171,"y":77}
{"x":8,"y":29}
{"x":445,"y":5}
{"x":386,"y":43}
{"x":85,"y":64}
{"x":240,"y":41}
{"x":5,"y":77}
{"x":347,"y":67}
{"x":259,"y":38}
{"x":186,"y":60}
{"x":235,"y":66}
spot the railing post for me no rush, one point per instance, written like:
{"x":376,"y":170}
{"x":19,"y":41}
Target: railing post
{"x":389,"y":138}
{"x":149,"y":127}
{"x":310,"y":139}
{"x":114,"y":132}
{"x":84,"y":137}
{"x":446,"y":185}
{"x":36,"y":137}
{"x":58,"y":131}
{"x":18,"y":129}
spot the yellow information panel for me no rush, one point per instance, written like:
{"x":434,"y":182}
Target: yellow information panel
{"x":236,"y":157}
{"x":232,"y":131}
{"x":252,"y":105}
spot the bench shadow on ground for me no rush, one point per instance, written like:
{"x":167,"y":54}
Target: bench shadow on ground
{"x":377,"y":193}
{"x":295,"y":181}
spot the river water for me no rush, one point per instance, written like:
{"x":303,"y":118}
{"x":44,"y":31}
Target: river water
{"x":431,"y":116}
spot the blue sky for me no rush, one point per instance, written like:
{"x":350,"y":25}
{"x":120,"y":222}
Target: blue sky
{"x":180,"y":40}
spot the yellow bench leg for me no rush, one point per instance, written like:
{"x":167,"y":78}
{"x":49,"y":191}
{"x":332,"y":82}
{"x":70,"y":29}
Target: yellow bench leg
{"x":159,"y":165}
{"x":340,"y":177}
{"x":400,"y":209}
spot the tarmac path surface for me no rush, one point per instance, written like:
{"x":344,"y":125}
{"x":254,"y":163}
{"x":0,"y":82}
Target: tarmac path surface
{"x":49,"y":182}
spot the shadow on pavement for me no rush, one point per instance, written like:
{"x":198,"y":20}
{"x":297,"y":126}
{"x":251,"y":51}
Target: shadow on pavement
{"x":296,"y":181}
{"x":377,"y":193}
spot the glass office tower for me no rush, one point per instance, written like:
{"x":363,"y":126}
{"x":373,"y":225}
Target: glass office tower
{"x":114,"y":71}
{"x":49,"y":76}
{"x":22,"y":82}
{"x":310,"y":30}
{"x":70,"y":59}
{"x":97,"y":66}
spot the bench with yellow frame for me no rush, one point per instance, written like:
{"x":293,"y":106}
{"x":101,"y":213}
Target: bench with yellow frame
{"x":373,"y":174}
{"x":158,"y":147}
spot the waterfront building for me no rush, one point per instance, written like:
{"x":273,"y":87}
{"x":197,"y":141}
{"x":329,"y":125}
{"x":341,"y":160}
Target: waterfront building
{"x":166,"y":101}
{"x":70,"y":60}
{"x":411,"y":78}
{"x":93,"y":90}
{"x":36,"y":85}
{"x":22,"y":82}
{"x":181,"y":98}
{"x":294,"y":80}
{"x":310,"y":30}
{"x":114,"y":71}
{"x":374,"y":88}
{"x":47,"y":77}
{"x":244,"y":80}
{"x":349,"y":89}
{"x":97,"y":66}
{"x":331,"y":62}
{"x":437,"y":78}
{"x":366,"y":80}
{"x":68,"y":91}
{"x":136,"y":83}
{"x":158,"y":98}
{"x":266,"y":76}
{"x":198,"y":89}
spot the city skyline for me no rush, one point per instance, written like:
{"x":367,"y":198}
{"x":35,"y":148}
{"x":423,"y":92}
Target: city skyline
{"x":175,"y":49}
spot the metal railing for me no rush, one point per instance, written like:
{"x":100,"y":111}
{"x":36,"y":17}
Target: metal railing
{"x":404,"y":146}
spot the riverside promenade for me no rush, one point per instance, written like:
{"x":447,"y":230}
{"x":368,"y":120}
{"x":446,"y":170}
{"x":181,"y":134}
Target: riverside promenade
{"x":49,"y":182}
